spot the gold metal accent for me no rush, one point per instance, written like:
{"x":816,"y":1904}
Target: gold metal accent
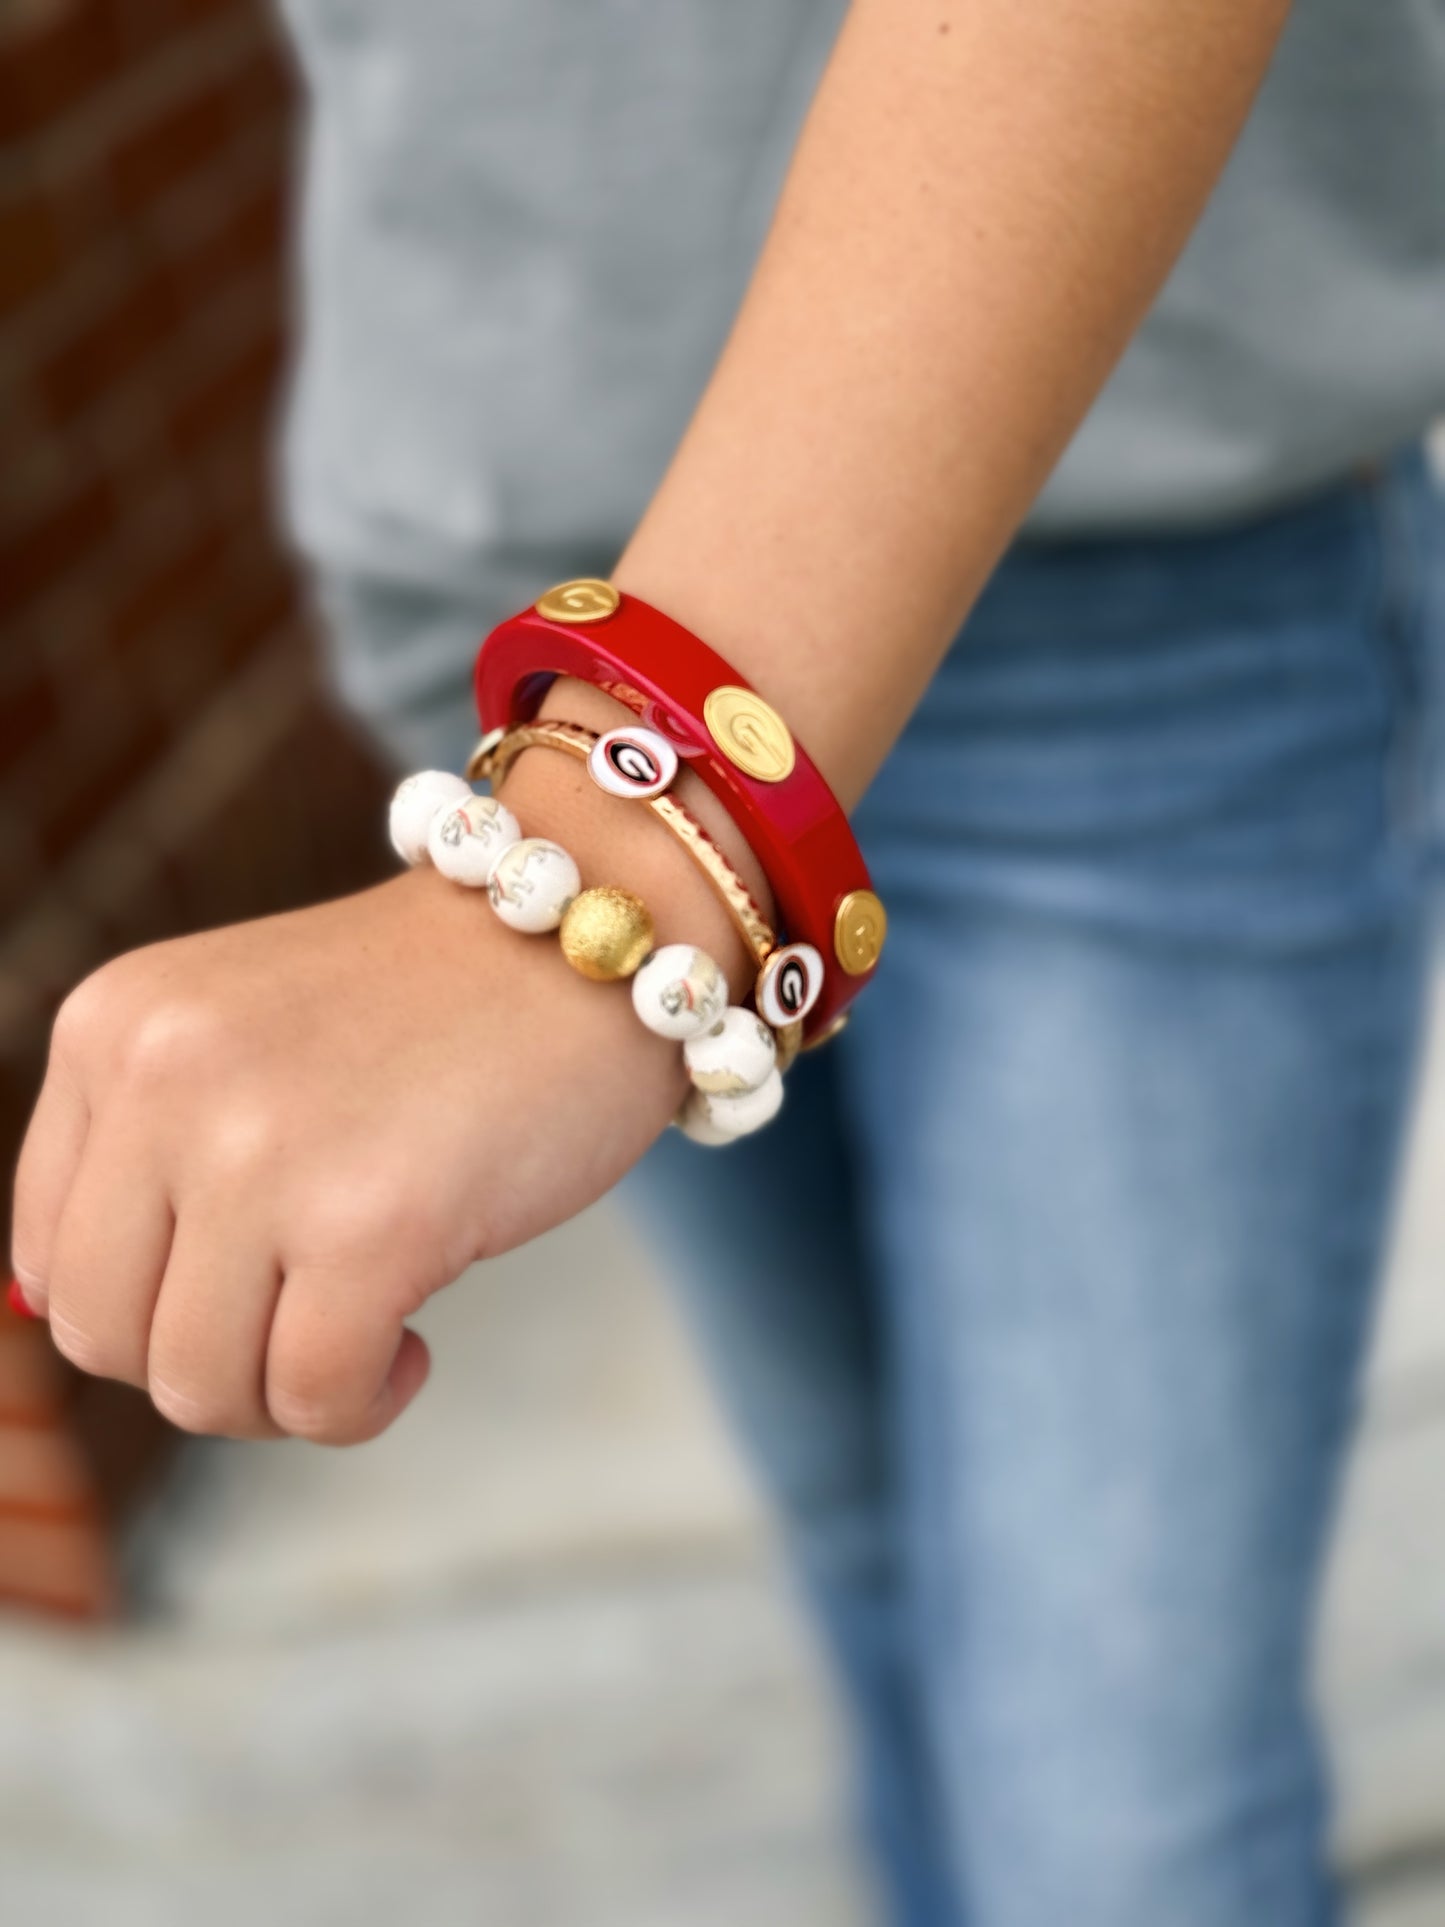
{"x":750,"y":733}
{"x":480,"y":758}
{"x":829,"y":1031}
{"x":588,"y":599}
{"x":606,"y":933}
{"x":858,"y":931}
{"x":756,"y":932}
{"x":492,"y":759}
{"x":789,"y":1041}
{"x":481,"y":765}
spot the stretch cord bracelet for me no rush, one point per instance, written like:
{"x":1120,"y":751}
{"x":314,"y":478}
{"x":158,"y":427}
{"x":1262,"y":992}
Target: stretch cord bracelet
{"x":738,"y":744}
{"x":635,"y":763}
{"x":606,"y":934}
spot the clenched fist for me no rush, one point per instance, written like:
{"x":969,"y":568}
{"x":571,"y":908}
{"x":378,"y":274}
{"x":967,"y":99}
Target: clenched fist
{"x":258,"y":1151}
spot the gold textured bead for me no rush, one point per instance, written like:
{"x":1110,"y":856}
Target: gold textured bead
{"x":606,"y":933}
{"x":588,"y":599}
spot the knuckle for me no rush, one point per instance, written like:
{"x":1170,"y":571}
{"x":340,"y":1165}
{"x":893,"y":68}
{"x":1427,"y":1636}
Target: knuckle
{"x":313,"y":1397}
{"x":240,"y":1140}
{"x":76,"y":1344}
{"x":170,"y":1041}
{"x":80,"y":1015}
{"x":301,"y":1388}
{"x":128,"y":998}
{"x":27,"y":1267}
{"x":304,"y":1414}
{"x":355,"y":1222}
{"x":394,"y":1223}
{"x":188,"y":1411}
{"x":97,"y":1006}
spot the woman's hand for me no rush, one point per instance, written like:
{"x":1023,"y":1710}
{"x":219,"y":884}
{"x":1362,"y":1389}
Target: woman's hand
{"x":259,"y":1151}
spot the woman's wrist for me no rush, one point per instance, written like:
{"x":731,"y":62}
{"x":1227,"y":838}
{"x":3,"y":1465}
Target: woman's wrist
{"x":614,"y":840}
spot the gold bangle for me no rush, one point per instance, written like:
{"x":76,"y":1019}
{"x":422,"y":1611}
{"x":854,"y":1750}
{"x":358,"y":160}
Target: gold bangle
{"x":496,"y":753}
{"x":790,"y":1043}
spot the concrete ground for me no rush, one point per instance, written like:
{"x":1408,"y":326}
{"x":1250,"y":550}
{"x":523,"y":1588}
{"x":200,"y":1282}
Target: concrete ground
{"x":528,"y":1660}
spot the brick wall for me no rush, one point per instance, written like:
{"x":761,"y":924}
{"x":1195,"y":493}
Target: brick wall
{"x":165,"y":759}
{"x":156,"y":689}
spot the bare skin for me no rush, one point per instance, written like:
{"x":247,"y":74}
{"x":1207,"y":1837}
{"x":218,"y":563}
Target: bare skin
{"x":257,"y":1152}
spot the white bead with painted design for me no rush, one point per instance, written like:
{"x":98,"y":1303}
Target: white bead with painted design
{"x":694,"y":1123}
{"x":532,"y":885}
{"x":679,"y":992}
{"x":735,"y":1055}
{"x":465,"y":842}
{"x":416,"y":802}
{"x":741,"y":1113}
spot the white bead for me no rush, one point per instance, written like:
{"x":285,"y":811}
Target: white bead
{"x":417,"y":800}
{"x":693,"y":1121}
{"x":465,"y":842}
{"x":679,"y":991}
{"x":735,"y":1055}
{"x":789,"y":984}
{"x":532,"y":884}
{"x":741,"y":1113}
{"x":632,"y":761}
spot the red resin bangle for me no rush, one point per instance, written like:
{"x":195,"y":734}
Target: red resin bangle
{"x":724,"y":730}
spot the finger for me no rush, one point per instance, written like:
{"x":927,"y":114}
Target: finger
{"x":109,"y":1256}
{"x":208,"y":1338}
{"x":335,"y":1373}
{"x":49,"y":1158}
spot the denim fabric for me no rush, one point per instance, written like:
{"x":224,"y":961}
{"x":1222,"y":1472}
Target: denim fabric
{"x":1046,"y":1325}
{"x":1041,"y":1309}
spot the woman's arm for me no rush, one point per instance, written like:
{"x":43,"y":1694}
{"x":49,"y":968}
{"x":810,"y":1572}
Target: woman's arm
{"x":983,"y":202}
{"x":258,"y":1151}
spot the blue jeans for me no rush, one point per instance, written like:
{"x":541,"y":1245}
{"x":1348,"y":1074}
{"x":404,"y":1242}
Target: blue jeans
{"x":1042,"y":1307}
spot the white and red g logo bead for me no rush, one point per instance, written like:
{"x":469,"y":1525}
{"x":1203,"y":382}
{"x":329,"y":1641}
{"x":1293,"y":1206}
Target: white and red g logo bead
{"x":789,"y":984}
{"x":632,"y":761}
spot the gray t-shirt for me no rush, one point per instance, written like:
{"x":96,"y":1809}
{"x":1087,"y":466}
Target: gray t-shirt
{"x":528,"y":223}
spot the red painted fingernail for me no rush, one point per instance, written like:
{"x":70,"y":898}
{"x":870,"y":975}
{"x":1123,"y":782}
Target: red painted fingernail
{"x":16,"y":1300}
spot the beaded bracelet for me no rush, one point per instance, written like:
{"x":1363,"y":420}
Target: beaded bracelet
{"x":606,"y":934}
{"x":633,"y":763}
{"x":637,"y":762}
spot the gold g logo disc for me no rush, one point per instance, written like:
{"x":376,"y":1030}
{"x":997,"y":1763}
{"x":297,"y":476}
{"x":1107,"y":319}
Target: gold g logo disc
{"x":750,"y":733}
{"x":858,"y":931}
{"x":588,"y":599}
